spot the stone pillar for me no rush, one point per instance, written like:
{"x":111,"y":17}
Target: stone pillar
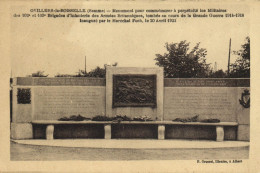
{"x":21,"y":131}
{"x":161,"y":131}
{"x":49,"y":132}
{"x":220,"y":133}
{"x":243,"y":132}
{"x":243,"y":118}
{"x":107,"y":129}
{"x":135,"y":111}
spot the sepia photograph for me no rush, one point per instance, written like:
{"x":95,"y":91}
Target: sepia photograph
{"x":130,"y":81}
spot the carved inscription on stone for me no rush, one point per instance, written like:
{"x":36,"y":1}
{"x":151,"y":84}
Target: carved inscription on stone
{"x":69,"y":81}
{"x":208,"y":103}
{"x":52,"y":103}
{"x":206,"y":82}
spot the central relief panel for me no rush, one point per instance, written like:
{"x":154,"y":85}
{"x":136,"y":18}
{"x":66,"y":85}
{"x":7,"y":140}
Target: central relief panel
{"x":134,"y":91}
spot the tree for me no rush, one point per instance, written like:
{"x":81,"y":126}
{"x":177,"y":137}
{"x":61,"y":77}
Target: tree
{"x":38,"y":74}
{"x":179,"y":62}
{"x":98,"y":72}
{"x":218,"y":74}
{"x":64,"y":75}
{"x":81,"y":73}
{"x":241,"y":67}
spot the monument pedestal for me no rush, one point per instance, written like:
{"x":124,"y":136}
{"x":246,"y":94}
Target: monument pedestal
{"x":21,"y":131}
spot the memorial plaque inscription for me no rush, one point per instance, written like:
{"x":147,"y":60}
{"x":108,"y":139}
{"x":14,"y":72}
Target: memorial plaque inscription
{"x":134,"y":90}
{"x":56,"y":102}
{"x":207,"y":102}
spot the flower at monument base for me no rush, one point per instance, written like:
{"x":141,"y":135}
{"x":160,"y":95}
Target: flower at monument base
{"x":74,"y":118}
{"x":102,"y":118}
{"x":184,"y":120}
{"x":143,"y":118}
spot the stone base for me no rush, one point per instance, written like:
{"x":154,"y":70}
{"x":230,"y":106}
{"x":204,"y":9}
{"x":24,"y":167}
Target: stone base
{"x":243,"y":133}
{"x":21,"y":131}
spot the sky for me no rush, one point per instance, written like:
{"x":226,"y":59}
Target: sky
{"x":61,"y":45}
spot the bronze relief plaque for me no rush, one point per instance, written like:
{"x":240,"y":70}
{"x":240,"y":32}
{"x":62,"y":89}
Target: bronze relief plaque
{"x":134,"y":91}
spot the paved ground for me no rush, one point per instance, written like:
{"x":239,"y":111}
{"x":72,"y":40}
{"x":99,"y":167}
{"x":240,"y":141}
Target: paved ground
{"x":51,"y":153}
{"x":134,"y":143}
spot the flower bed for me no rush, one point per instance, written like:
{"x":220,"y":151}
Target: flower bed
{"x":196,"y":119}
{"x":74,"y":118}
{"x":117,"y":118}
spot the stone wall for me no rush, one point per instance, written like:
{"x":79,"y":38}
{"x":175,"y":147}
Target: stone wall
{"x":52,"y":103}
{"x":53,"y":98}
{"x":208,"y":98}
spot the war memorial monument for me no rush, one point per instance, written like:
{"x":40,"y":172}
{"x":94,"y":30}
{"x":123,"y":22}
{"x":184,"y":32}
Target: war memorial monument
{"x":147,"y":106}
